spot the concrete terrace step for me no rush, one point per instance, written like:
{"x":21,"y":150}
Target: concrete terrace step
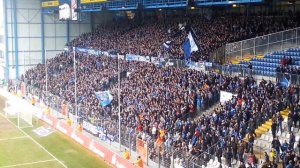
{"x":259,"y":132}
{"x":266,"y":126}
{"x":269,"y":123}
{"x":284,"y":113}
{"x":262,"y":129}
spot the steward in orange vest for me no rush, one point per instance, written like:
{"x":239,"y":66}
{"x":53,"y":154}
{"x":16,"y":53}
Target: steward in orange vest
{"x":139,"y":162}
{"x":126,"y":155}
{"x":33,"y":101}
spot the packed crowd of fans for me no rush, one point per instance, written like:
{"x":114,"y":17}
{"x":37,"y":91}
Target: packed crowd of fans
{"x":222,"y":133}
{"x":93,"y":74}
{"x":159,"y":104}
{"x":148,"y":90}
{"x":146,"y":38}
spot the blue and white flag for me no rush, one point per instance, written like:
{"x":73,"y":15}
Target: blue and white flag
{"x":189,"y":46}
{"x":104,"y":97}
{"x":166,"y":45}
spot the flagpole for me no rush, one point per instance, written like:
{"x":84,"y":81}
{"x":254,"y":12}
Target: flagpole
{"x":119,"y":85}
{"x":24,"y":65}
{"x":46,"y":69}
{"x":75,"y":93}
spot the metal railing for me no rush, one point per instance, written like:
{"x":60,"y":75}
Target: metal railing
{"x":164,"y":155}
{"x":258,"y":75}
{"x":261,"y":45}
{"x":109,"y":125}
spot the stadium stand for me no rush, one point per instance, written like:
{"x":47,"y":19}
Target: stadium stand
{"x":146,"y":38}
{"x":228,"y":124}
{"x":273,"y":63}
{"x":160,"y":104}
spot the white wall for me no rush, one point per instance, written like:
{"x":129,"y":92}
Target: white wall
{"x":29,"y":34}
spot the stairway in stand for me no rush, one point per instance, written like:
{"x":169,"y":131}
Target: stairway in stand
{"x":265,"y":127}
{"x":264,"y":136}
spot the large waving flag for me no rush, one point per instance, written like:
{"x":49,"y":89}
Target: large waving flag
{"x":104,"y":97}
{"x":189,"y":46}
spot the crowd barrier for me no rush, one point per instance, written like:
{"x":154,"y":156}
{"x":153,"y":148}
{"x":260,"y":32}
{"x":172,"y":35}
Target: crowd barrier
{"x":258,"y":75}
{"x":106,"y":128}
{"x":200,"y":66}
{"x":261,"y":45}
{"x":87,"y":142}
{"x":90,"y":144}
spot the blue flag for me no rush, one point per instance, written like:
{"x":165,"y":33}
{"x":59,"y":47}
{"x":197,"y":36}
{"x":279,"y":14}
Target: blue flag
{"x":284,"y":82}
{"x":104,"y":97}
{"x":189,"y":45}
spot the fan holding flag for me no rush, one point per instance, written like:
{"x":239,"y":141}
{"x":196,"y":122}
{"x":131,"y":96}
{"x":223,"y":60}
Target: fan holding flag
{"x":189,"y":45}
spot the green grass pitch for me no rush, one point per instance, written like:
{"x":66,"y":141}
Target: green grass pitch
{"x":22,"y":148}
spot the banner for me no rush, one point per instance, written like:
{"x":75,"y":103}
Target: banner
{"x":208,"y":64}
{"x":91,"y":1}
{"x":90,"y":127}
{"x":74,"y":8}
{"x":129,"y":57}
{"x":88,"y":51}
{"x":93,"y":52}
{"x":225,"y":96}
{"x":90,"y":144}
{"x":64,"y":109}
{"x":104,"y":97}
{"x":48,"y":4}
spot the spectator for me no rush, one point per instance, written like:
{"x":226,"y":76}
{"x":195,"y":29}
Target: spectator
{"x":279,"y":122}
{"x":292,"y":140}
{"x":290,"y":165}
{"x":273,"y":128}
{"x":251,"y":160}
{"x":267,"y":157}
{"x":276,"y":145}
{"x":283,"y":61}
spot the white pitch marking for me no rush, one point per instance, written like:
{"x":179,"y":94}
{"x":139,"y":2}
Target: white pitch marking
{"x":35,"y":142}
{"x":29,"y":163}
{"x":7,"y":139}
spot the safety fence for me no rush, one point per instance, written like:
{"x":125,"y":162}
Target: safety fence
{"x":258,"y":75}
{"x":232,"y":158}
{"x":261,"y":45}
{"x":75,"y":134}
{"x":106,"y":127}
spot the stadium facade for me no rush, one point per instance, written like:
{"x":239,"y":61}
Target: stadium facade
{"x":32,"y":34}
